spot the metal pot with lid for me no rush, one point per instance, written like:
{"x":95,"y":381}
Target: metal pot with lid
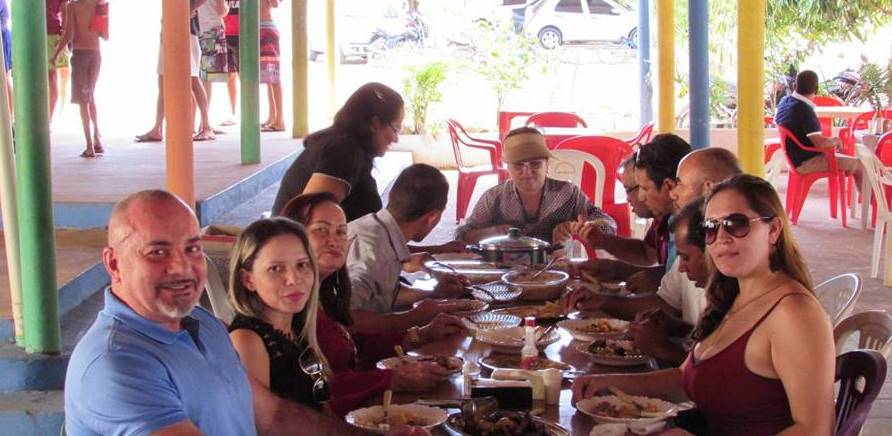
{"x":513,"y":248}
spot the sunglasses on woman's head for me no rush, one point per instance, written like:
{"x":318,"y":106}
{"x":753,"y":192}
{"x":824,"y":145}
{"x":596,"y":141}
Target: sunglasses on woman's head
{"x":311,"y":366}
{"x":736,"y":224}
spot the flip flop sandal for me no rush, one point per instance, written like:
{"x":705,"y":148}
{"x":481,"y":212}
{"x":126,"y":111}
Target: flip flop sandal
{"x":146,"y":138}
{"x":87,"y":154}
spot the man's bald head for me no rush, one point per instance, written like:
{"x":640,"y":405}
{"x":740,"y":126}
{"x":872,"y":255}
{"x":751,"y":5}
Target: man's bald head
{"x":700,"y":170}
{"x":120,"y":223}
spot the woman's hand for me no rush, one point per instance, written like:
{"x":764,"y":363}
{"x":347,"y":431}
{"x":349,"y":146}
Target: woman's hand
{"x":416,"y":262}
{"x":414,"y":376}
{"x":564,"y":231}
{"x":442,"y":326}
{"x":588,"y":386}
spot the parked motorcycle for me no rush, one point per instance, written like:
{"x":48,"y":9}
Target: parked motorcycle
{"x":416,"y":33}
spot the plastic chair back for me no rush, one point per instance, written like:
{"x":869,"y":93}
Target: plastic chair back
{"x":874,"y":329}
{"x":568,"y":165}
{"x":826,"y":122}
{"x":460,"y":138}
{"x":860,"y":375}
{"x":838,"y":295}
{"x":643,"y":135}
{"x":555,"y":119}
{"x":598,"y":183}
{"x":883,"y":149}
{"x":217,"y":293}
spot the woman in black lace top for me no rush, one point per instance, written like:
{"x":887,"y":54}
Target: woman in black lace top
{"x":273,"y":287}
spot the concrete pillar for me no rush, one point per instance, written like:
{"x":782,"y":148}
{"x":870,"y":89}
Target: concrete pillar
{"x":750,"y":86}
{"x":249,"y":76}
{"x":40,"y":298}
{"x":698,"y":25}
{"x":9,"y":201}
{"x":332,"y":53}
{"x":665,"y":66}
{"x":645,"y":85}
{"x":299,"y":64}
{"x":177,"y":90}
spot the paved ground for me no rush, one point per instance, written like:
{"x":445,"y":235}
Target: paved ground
{"x":829,"y":250}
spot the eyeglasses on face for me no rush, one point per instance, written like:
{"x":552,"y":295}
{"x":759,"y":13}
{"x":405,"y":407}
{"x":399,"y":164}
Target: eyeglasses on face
{"x":325,"y":230}
{"x":311,"y":366}
{"x":737,"y":225}
{"x":534,"y":165}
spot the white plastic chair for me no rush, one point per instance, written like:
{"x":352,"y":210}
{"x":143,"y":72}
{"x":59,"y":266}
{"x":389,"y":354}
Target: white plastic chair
{"x":878,"y":177}
{"x":775,"y":166}
{"x":568,"y":164}
{"x":874,"y":328}
{"x":217,"y":293}
{"x":838,"y":295}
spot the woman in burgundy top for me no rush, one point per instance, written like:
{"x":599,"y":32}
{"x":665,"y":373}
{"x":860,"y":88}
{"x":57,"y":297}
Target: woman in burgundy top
{"x":763,"y":361}
{"x":352,"y":355}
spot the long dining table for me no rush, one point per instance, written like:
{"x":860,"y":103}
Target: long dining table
{"x":564,"y":350}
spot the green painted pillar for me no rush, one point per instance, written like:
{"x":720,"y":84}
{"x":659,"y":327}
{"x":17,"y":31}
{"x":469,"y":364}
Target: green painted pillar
{"x":34,"y":187}
{"x":249,"y":76}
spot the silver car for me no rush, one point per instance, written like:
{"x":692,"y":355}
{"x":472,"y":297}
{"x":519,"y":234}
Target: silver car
{"x":558,"y":22}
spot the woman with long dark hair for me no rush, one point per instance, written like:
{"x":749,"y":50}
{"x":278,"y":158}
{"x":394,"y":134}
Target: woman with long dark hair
{"x":338,"y":159}
{"x":763,"y":359}
{"x":352,"y":354}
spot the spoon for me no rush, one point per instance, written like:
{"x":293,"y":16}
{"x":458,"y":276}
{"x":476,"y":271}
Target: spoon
{"x":445,"y":265}
{"x":547,"y":265}
{"x":388,"y":396}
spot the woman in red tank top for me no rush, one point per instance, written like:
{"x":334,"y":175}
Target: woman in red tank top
{"x":763,"y":362}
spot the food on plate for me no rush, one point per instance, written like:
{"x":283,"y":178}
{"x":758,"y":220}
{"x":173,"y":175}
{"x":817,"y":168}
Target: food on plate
{"x":614,"y":347}
{"x":513,"y":362}
{"x":394,"y":418}
{"x":625,"y":409}
{"x":526,"y":277}
{"x":601,"y":325}
{"x":449,"y":363}
{"x":499,"y":423}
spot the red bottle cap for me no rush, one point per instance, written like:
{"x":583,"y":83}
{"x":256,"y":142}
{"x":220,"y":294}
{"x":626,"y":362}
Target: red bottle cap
{"x":529,"y":321}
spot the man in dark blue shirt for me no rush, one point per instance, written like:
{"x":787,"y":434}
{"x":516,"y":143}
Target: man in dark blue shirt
{"x":796,"y":112}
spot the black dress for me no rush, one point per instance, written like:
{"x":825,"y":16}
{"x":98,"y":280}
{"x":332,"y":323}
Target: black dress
{"x":338,"y":155}
{"x":286,"y":379}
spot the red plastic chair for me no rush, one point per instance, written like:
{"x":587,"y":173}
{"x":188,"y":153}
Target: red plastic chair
{"x":598,"y":181}
{"x":798,"y":184}
{"x":826,"y":122}
{"x":468,"y":175}
{"x":555,"y":119}
{"x":860,"y":374}
{"x":643,"y":135}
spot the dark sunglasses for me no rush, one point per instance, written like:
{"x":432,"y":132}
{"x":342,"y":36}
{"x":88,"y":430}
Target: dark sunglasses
{"x":736,"y":224}
{"x":311,"y":366}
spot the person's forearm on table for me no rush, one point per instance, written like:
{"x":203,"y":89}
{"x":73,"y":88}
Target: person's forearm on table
{"x":630,"y":250}
{"x":274,"y":415}
{"x":627,"y":308}
{"x":365,"y":321}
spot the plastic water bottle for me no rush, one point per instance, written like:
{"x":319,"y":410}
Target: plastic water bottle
{"x":529,"y":352}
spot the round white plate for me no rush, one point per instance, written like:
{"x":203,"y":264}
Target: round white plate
{"x":581,"y":329}
{"x":500,"y":291}
{"x":367,"y":417}
{"x":391,"y":362}
{"x":607,"y":360}
{"x":489,"y":320}
{"x":663,"y":409}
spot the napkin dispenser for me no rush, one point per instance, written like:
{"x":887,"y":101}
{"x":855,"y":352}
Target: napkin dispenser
{"x":511,"y":394}
{"x":533,"y":377}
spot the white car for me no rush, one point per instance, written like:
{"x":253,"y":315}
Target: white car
{"x":557,"y":22}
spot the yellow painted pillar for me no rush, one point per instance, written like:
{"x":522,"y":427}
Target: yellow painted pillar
{"x":331,"y":52}
{"x":750,"y":86}
{"x":665,"y":66}
{"x":178,"y":99}
{"x":299,"y":65}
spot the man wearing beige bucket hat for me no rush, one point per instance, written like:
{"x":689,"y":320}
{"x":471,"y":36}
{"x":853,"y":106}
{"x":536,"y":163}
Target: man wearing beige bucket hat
{"x":539,"y":206}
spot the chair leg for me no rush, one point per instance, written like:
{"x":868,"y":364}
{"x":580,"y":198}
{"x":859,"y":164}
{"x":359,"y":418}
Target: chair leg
{"x":843,"y":197}
{"x":463,"y":196}
{"x":791,"y":201}
{"x":833,"y":185}
{"x":877,"y":249}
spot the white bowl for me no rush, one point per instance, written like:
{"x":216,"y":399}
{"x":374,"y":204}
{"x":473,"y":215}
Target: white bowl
{"x":367,"y":417}
{"x":549,"y":285}
{"x":510,"y":340}
{"x":583,"y":329}
{"x":663,"y":409}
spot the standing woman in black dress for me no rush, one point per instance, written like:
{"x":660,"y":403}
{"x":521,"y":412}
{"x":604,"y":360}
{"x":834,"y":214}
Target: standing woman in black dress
{"x":338,"y":159}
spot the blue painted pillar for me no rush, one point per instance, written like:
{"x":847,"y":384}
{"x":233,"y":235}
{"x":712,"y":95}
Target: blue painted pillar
{"x":698,"y":23}
{"x":645,"y":104}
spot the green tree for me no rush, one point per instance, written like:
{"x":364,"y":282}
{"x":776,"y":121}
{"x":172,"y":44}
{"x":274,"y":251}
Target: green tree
{"x":422,"y":88}
{"x":502,"y":57}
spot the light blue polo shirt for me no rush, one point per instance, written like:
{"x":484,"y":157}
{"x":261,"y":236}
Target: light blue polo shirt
{"x":131,"y":376}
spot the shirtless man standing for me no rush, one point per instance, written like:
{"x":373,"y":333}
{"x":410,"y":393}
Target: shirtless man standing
{"x":85,"y":63}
